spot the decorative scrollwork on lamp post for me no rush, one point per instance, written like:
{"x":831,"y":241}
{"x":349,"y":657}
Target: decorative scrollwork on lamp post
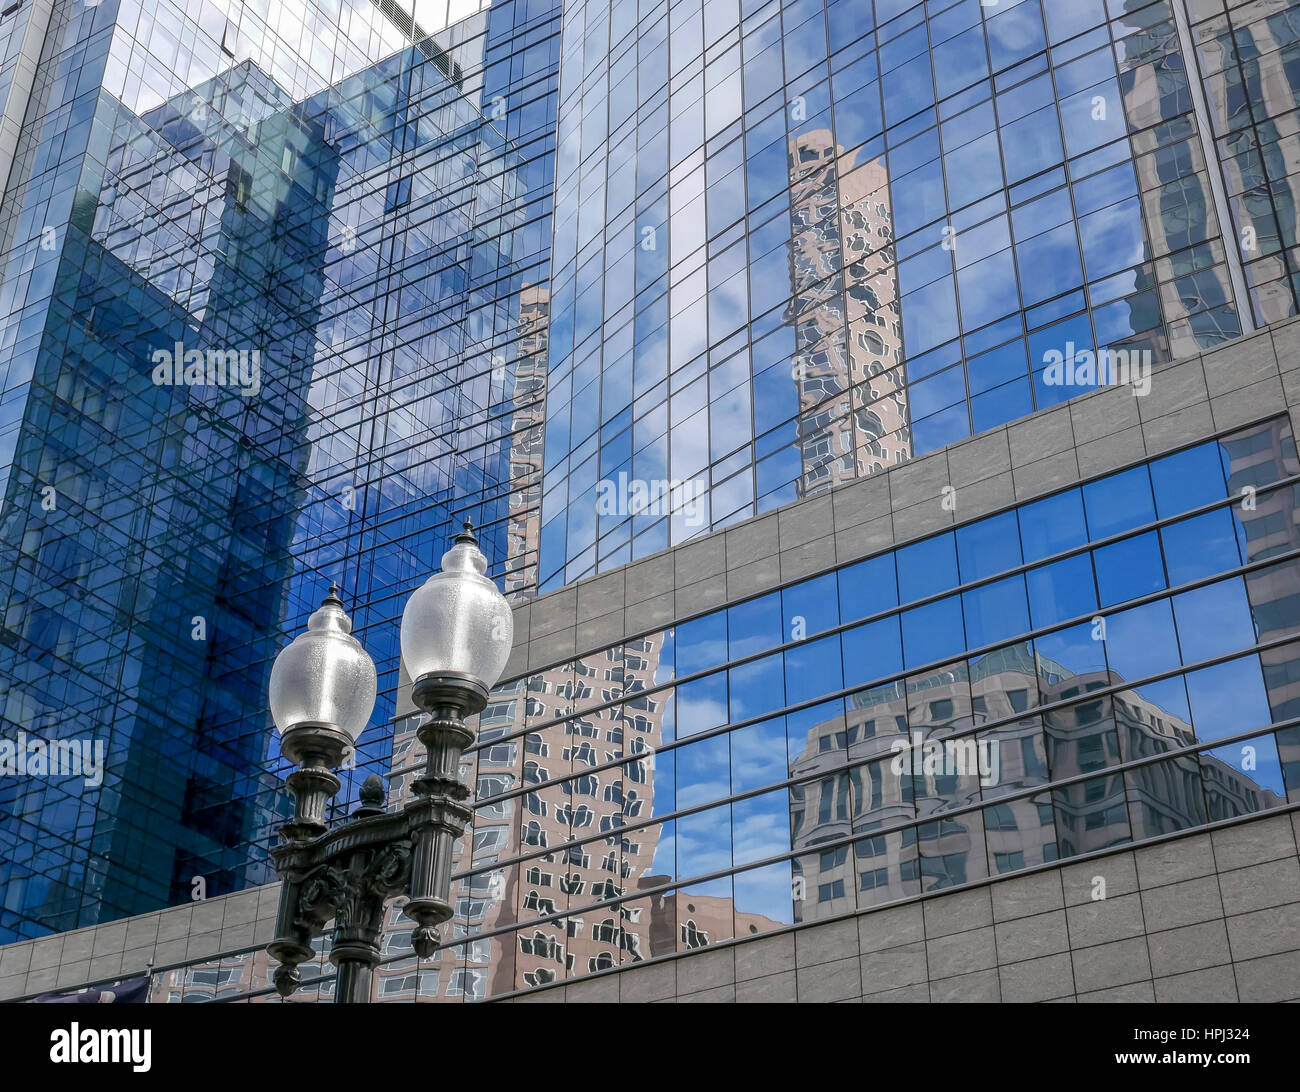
{"x":457,"y":631}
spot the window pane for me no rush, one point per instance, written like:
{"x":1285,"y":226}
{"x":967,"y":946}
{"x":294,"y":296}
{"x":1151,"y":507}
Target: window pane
{"x":1091,"y":815}
{"x":1214,"y":620}
{"x":813,"y":670}
{"x":1061,"y":590}
{"x":754,"y":626}
{"x":988,"y":547}
{"x":995,"y":612}
{"x":1165,"y":797}
{"x":1201,"y":546}
{"x":872,"y":651}
{"x":1242,"y":778}
{"x":1119,"y":503}
{"x":756,"y":688}
{"x":1141,"y":642}
{"x":701,"y":643}
{"x":927,"y":567}
{"x":1188,"y":480}
{"x":702,"y":704}
{"x":1129,"y":569}
{"x":867,"y":588}
{"x":933,"y":632}
{"x":1228,"y":698}
{"x":1053,"y":525}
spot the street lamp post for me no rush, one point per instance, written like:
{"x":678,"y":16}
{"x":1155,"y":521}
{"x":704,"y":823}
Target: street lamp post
{"x":456,"y":635}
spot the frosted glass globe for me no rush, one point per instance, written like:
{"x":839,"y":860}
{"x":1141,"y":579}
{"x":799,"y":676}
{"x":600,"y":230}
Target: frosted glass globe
{"x":457,"y":621}
{"x":324,"y":676}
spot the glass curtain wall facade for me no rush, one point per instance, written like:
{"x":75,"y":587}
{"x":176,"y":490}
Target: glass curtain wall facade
{"x":1113,"y":662}
{"x":603,"y":277}
{"x":362,"y":226}
{"x":796,"y":243}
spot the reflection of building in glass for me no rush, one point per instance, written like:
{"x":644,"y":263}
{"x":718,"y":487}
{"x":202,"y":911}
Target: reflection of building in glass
{"x":346,"y":206}
{"x":1249,"y":59}
{"x":528,"y":390}
{"x":852,"y":416}
{"x":157,"y":580}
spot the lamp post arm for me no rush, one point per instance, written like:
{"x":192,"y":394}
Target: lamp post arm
{"x":345,"y":875}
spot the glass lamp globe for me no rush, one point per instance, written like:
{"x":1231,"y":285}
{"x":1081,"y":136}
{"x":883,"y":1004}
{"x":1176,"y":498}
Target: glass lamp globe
{"x":324,"y":677}
{"x":457,"y":622}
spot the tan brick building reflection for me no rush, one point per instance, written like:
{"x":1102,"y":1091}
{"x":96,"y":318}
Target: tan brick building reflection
{"x":1084,"y":738}
{"x":529,"y":396}
{"x":571,"y":801}
{"x":847,"y":368}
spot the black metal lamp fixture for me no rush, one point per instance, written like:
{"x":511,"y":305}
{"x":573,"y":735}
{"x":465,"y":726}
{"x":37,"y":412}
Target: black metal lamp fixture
{"x":457,"y":632}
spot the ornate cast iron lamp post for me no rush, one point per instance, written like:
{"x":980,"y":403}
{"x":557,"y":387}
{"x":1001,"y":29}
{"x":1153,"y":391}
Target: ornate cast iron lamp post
{"x":457,"y":630}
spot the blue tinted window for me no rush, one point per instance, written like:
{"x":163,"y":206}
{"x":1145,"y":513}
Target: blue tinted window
{"x":1228,"y":698}
{"x":1119,"y":503}
{"x":1015,"y":34}
{"x":1066,"y":654}
{"x":1188,"y":480}
{"x":988,"y":547}
{"x":1128,"y":569}
{"x":995,"y":612}
{"x":1168,"y":696}
{"x":927,"y":567}
{"x":800,"y":725}
{"x":760,"y":829}
{"x":701,"y":643}
{"x":701,"y":704}
{"x":1141,"y":642}
{"x":873,"y":651}
{"x":702,"y":771}
{"x":810,"y":607}
{"x":867,"y":588}
{"x":1053,"y":525}
{"x":933,"y":632}
{"x":1263,"y":770}
{"x":758,"y":755}
{"x":754,"y":626}
{"x":1214,"y":620}
{"x":1201,"y":546}
{"x":1061,"y":590}
{"x":756,"y":688}
{"x":812,"y":669}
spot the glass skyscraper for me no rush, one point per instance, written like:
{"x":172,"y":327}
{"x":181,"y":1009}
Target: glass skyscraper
{"x":367,"y":221}
{"x":617,"y":281}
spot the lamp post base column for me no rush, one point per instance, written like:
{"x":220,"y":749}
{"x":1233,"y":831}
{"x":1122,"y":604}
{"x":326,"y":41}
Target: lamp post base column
{"x":356,"y":961}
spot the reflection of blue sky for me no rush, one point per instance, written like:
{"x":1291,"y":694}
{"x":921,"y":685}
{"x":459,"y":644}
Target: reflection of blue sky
{"x":1261,"y":753}
{"x":813,"y":669}
{"x":758,"y":755}
{"x":755,"y":626}
{"x":1214,"y":620}
{"x":1141,"y":641}
{"x":765,"y":891}
{"x":701,"y":643}
{"x":702,"y":772}
{"x":664,"y":839}
{"x":1201,"y":546}
{"x":1228,"y":698}
{"x":1129,"y":569}
{"x":704,"y":842}
{"x":701,"y":704}
{"x":757,"y":687}
{"x":810,"y":607}
{"x":1072,"y":649}
{"x":1170,"y":696}
{"x":760,"y":827}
